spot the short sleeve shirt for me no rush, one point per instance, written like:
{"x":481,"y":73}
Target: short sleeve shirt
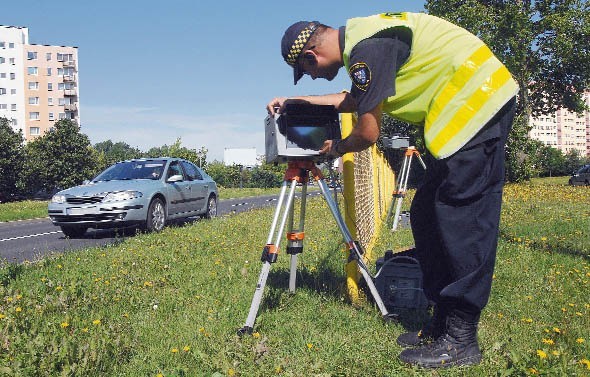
{"x":373,"y":64}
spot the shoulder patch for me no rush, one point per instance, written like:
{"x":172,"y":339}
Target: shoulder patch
{"x":360,"y":74}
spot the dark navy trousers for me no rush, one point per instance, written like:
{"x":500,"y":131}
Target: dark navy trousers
{"x":455,"y":218}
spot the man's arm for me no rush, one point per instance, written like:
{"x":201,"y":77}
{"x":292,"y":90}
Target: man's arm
{"x":343,"y":102}
{"x":363,"y":135}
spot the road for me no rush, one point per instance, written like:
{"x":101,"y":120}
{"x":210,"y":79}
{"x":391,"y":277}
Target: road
{"x":34,"y":239}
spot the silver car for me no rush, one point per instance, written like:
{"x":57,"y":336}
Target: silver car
{"x":147,"y":192}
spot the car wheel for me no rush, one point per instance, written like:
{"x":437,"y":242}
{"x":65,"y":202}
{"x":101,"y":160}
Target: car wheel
{"x":73,"y":231}
{"x":156,"y":216}
{"x":211,"y":208}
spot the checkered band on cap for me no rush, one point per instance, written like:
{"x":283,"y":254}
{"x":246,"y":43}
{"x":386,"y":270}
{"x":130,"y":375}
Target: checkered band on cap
{"x":299,"y":43}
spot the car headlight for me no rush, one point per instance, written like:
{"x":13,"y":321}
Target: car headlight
{"x":58,"y":199}
{"x":122,"y":195}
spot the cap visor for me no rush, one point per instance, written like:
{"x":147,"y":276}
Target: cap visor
{"x":297,"y":74}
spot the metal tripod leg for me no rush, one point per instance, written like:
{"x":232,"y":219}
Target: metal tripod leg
{"x":353,"y":247}
{"x":401,"y":189}
{"x":270,"y":251}
{"x":295,"y":237}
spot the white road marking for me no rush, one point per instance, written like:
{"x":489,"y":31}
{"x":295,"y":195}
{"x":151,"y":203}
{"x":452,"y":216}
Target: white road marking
{"x":29,"y":236}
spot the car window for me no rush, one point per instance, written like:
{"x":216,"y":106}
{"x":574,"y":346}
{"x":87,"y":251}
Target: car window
{"x":148,"y":169}
{"x":191,"y":171}
{"x":174,"y":169}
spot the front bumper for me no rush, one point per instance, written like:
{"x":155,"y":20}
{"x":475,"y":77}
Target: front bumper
{"x":97,"y":215}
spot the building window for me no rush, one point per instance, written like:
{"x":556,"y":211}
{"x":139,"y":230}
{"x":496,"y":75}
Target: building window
{"x":60,"y":71}
{"x":32,"y":70}
{"x":48,"y":71}
{"x":2,"y":91}
{"x":14,"y":121}
{"x":60,"y":86}
{"x":2,"y":60}
{"x":2,"y":45}
{"x":13,"y":76}
{"x":3,"y":106}
{"x":34,"y":115}
{"x":62,"y":101}
{"x":49,"y":86}
{"x":2,"y":75}
{"x":62,"y":116}
{"x":51,"y":116}
{"x":33,"y":100}
{"x":50,"y":101}
{"x":13,"y":107}
{"x":11,"y":61}
{"x":48,"y":56}
{"x":11,"y":45}
{"x":31,"y":55}
{"x":34,"y":130}
{"x":12,"y":91}
{"x":33,"y":85}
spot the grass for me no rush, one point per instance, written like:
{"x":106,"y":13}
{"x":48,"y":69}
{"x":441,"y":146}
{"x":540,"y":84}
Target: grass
{"x":31,"y":209}
{"x":170,"y":303}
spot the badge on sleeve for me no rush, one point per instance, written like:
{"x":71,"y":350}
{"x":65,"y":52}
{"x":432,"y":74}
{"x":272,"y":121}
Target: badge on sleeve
{"x":360,"y":74}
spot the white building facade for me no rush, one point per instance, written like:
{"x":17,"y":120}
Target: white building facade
{"x":38,"y":83}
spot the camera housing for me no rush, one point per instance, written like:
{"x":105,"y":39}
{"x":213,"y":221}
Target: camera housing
{"x":299,"y":132}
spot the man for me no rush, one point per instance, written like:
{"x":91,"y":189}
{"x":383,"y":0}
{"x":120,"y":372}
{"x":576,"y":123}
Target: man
{"x":426,"y":71}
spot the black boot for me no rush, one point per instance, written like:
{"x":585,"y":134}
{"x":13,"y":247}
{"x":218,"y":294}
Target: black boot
{"x":458,"y":346}
{"x":433,"y":329}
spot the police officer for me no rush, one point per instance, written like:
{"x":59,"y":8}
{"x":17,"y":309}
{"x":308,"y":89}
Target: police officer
{"x":426,"y":71}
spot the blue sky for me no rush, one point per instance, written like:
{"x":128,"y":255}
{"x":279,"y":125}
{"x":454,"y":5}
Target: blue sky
{"x":153,"y":71}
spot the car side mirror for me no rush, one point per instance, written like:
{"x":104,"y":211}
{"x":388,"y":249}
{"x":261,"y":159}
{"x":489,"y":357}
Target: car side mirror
{"x":85,"y":182}
{"x":175,"y":178}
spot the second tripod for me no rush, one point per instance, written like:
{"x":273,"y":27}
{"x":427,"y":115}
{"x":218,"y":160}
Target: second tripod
{"x":298,"y":173}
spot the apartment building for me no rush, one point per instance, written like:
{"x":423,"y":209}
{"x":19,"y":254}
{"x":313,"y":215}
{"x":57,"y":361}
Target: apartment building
{"x":564,"y":130}
{"x":38,"y":83}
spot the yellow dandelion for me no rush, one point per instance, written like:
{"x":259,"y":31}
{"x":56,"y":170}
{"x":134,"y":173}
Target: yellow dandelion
{"x":18,"y":297}
{"x":500,"y":315}
{"x":18,"y":309}
{"x":231,"y":372}
{"x":96,"y":322}
{"x":548,"y":341}
{"x":64,"y":325}
{"x":59,"y":266}
{"x":585,"y":362}
{"x":527,"y":320}
{"x":580,"y":340}
{"x":58,"y":288}
{"x":159,"y":375}
{"x":309,"y":346}
{"x":85,"y":329}
{"x":256,"y":335}
{"x":2,"y":316}
{"x":174,"y":350}
{"x":543,"y":238}
{"x":557,"y":330}
{"x":555,"y":353}
{"x":541,"y":354}
{"x":125,"y":315}
{"x":533,"y":371}
{"x":186,"y":348}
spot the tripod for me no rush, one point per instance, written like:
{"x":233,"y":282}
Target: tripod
{"x":298,"y":172}
{"x":402,"y":185}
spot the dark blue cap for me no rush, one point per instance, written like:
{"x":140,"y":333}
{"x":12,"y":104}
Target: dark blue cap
{"x":293,"y":43}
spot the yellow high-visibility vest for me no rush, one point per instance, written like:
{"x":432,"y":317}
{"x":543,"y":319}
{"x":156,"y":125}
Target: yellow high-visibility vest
{"x":451,"y":83}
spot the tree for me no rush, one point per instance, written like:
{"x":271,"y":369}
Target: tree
{"x":11,"y":159}
{"x":61,"y":158}
{"x":113,"y":152}
{"x":544,"y":44}
{"x":198,"y":157}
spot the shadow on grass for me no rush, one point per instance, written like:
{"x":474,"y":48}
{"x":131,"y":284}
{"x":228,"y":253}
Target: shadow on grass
{"x":329,"y":280}
{"x":548,"y":247}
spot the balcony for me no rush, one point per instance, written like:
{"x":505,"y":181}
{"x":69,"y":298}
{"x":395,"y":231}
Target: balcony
{"x":71,"y":107}
{"x":69,"y":78}
{"x":69,"y":63}
{"x":70,"y":92}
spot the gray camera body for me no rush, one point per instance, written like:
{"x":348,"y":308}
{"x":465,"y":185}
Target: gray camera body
{"x":396,"y":142}
{"x":300,"y":132}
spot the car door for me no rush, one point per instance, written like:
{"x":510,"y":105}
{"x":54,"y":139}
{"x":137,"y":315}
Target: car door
{"x":199,"y":187}
{"x":179,"y":192}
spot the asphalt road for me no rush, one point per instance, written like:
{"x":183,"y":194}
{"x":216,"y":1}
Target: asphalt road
{"x":34,"y":239}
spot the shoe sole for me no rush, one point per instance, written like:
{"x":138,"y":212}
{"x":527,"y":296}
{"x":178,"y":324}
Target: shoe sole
{"x":471,"y":360}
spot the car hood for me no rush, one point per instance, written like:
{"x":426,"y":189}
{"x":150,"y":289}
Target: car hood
{"x":95,"y":188}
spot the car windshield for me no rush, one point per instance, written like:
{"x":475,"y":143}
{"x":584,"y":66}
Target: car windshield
{"x":150,"y":169}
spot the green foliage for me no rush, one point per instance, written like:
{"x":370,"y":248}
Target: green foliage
{"x":11,"y":159}
{"x":263,"y":176}
{"x":61,"y":158}
{"x":110,"y":152}
{"x":198,"y":157}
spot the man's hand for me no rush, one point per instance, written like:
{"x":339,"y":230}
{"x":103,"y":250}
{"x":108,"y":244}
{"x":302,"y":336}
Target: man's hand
{"x":275,"y":104}
{"x":329,"y":149}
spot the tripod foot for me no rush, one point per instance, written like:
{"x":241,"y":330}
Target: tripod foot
{"x":245,"y":330}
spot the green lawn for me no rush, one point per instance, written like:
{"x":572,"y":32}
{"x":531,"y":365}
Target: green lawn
{"x":170,"y":303}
